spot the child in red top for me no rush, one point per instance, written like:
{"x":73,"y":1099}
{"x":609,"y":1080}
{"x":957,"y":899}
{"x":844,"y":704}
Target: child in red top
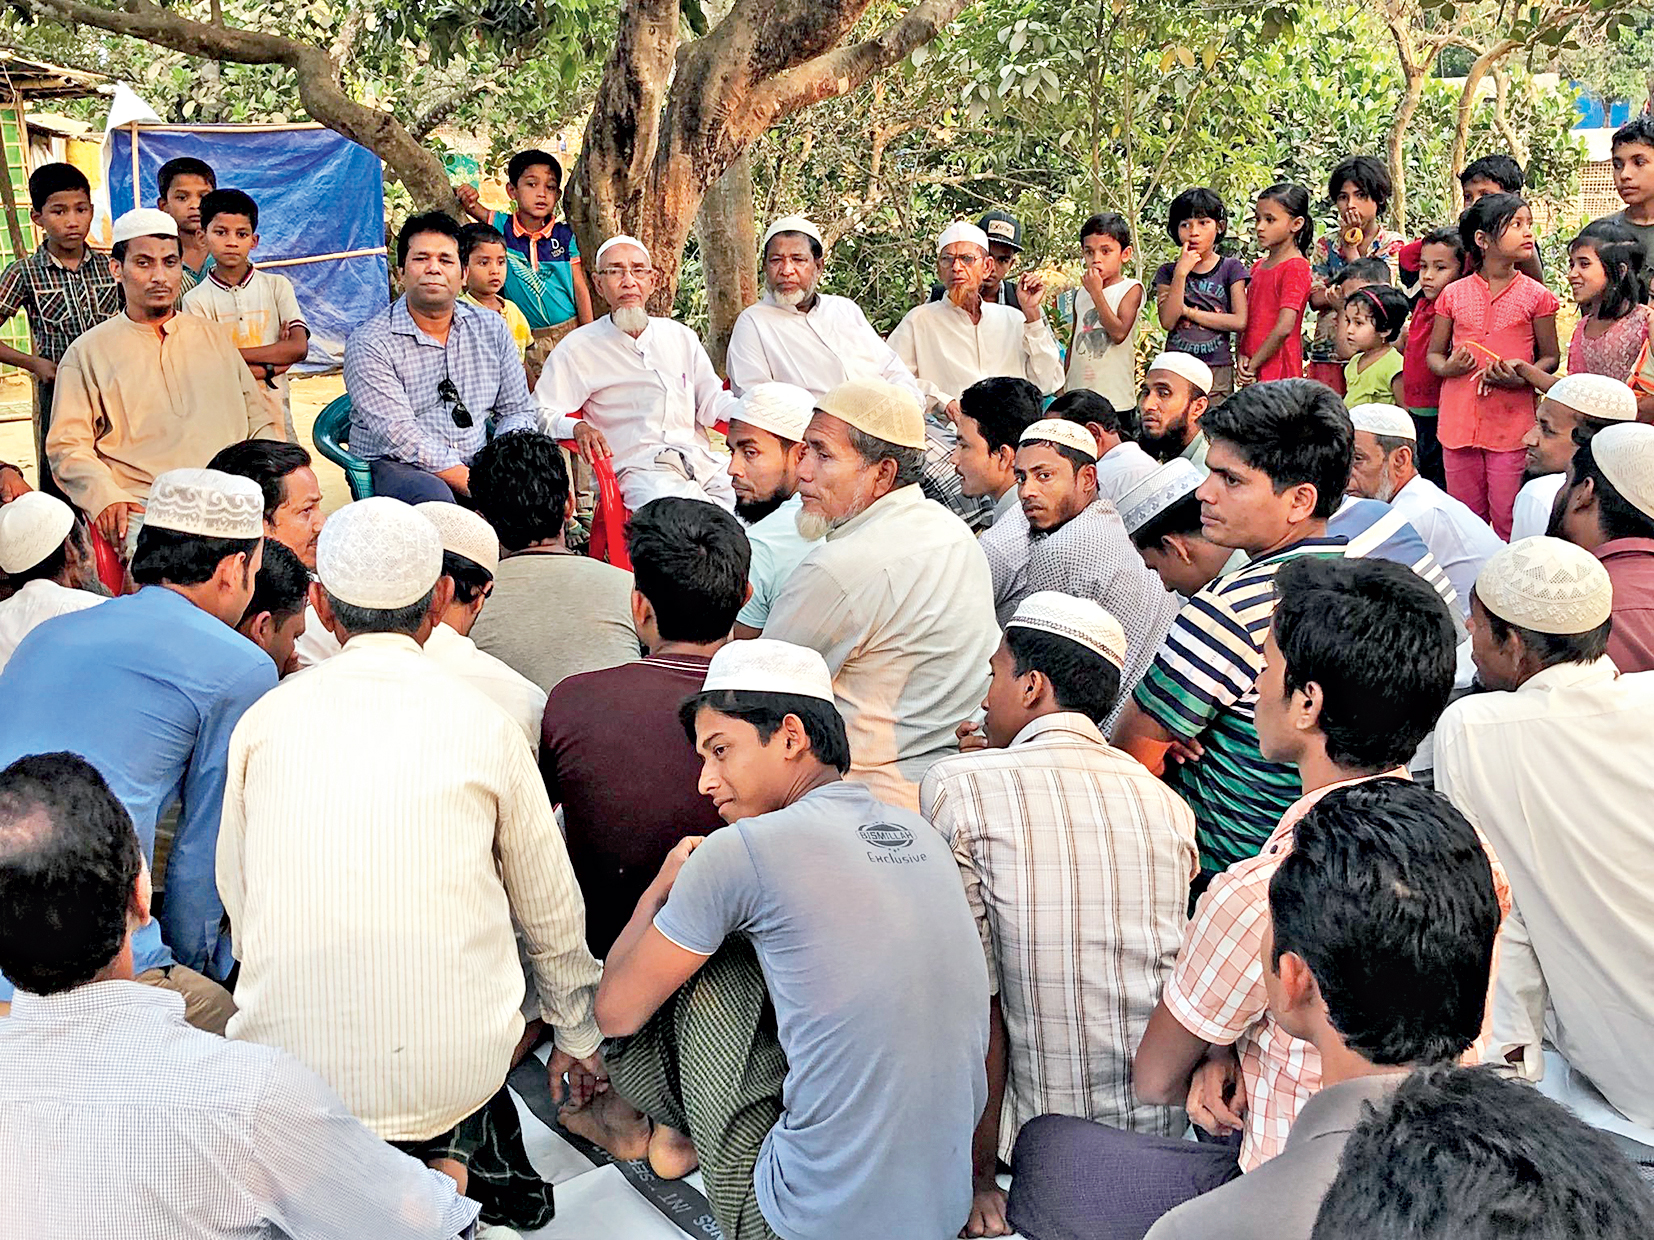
{"x":1271,"y":347}
{"x":1485,"y":323}
{"x":1439,"y":262}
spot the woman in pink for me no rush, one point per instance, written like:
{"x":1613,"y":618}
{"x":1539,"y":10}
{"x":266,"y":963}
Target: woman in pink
{"x":1485,"y":325}
{"x":1271,"y":347}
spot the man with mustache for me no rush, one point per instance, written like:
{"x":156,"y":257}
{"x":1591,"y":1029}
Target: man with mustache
{"x":766,"y":440}
{"x":1174,"y":398}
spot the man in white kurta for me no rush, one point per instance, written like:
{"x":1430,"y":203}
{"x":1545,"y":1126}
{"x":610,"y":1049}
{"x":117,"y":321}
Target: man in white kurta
{"x":638,"y":388}
{"x":44,"y":552}
{"x":951,"y":343}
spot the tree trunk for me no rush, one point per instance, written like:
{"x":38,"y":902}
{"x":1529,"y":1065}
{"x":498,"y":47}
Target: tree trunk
{"x":1414,"y":71}
{"x":729,"y":242}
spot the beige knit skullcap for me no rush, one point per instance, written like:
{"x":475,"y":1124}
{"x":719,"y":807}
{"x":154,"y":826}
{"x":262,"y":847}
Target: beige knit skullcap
{"x":1595,"y":396}
{"x":378,"y":553}
{"x":1080,"y":620}
{"x":463,"y":532}
{"x":1546,"y":585}
{"x":1061,"y":431}
{"x":1625,"y":455}
{"x":208,"y":503}
{"x":882,"y":410}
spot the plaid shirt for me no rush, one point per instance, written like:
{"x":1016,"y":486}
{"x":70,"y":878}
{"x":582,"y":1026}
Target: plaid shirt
{"x":941,"y":481}
{"x":60,"y":303}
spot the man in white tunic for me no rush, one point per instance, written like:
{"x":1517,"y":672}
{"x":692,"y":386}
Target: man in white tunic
{"x":639,"y":389}
{"x":1383,"y":468}
{"x":766,"y":440}
{"x":896,"y":597}
{"x":45,"y":553}
{"x":795,"y":334}
{"x":951,"y":343}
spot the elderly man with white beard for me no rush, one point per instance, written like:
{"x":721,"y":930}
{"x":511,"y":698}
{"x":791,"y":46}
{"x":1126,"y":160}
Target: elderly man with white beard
{"x":896,"y":596}
{"x":639,"y":389}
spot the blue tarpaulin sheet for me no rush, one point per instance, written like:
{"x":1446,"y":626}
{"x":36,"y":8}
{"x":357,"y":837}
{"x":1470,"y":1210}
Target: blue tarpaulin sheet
{"x":318,"y":193}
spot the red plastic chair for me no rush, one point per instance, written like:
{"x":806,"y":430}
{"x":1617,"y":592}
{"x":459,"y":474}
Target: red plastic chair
{"x":608,"y":541}
{"x":111,"y":571}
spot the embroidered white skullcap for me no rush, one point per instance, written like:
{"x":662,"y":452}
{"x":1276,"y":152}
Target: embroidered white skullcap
{"x":463,"y":532}
{"x":764,"y":665}
{"x":1193,"y":369}
{"x":882,"y":410}
{"x":1078,"y":619}
{"x":1379,"y":419}
{"x":378,"y":553}
{"x":143,"y":222}
{"x":789,"y":223}
{"x":962,"y":230}
{"x":206,"y":502}
{"x":1546,"y":585}
{"x":1062,"y":431}
{"x":1625,"y":455}
{"x":1149,"y":498}
{"x":619,"y":239}
{"x":32,"y":526}
{"x":782,"y":409}
{"x":1596,"y":396}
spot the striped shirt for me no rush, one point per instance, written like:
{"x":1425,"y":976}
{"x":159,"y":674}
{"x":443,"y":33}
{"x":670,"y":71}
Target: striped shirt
{"x":60,"y":302}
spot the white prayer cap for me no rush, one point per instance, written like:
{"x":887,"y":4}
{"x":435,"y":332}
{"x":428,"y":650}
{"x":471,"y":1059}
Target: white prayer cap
{"x":378,"y":553}
{"x":882,"y":410}
{"x":1193,"y":369}
{"x":782,"y":409}
{"x":764,"y":665}
{"x":1078,"y":619}
{"x":960,"y":230}
{"x":619,"y":239}
{"x":1062,"y":431}
{"x":143,"y":222}
{"x":1389,"y":420}
{"x":1625,"y":455}
{"x":1546,"y":585}
{"x":1595,"y":396}
{"x":463,"y":532}
{"x":1145,"y":501}
{"x":32,"y":526}
{"x":206,"y":502}
{"x":790,"y":223}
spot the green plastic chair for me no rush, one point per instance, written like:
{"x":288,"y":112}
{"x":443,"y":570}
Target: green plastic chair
{"x":331,"y":435}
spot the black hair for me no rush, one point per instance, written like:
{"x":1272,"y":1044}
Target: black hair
{"x":1387,"y":895}
{"x":1182,"y":517}
{"x":1294,"y":200}
{"x":815,"y":246}
{"x":1618,"y":516}
{"x":1551,"y":648}
{"x":1081,"y":679}
{"x":184,"y":559}
{"x":184,"y":166}
{"x":1082,"y":405}
{"x":118,"y":250}
{"x":1388,"y":307}
{"x":1490,"y":215}
{"x":690,"y":559}
{"x":1379,"y":641}
{"x":424,"y":222}
{"x":520,"y":485}
{"x":1370,"y":270}
{"x":267,"y":462}
{"x":522,"y":161}
{"x":49,"y":179}
{"x":823,"y":725}
{"x":1369,"y":175}
{"x":1449,"y":237}
{"x":474,"y":234}
{"x":1621,"y":256}
{"x":1107,"y":224}
{"x":1502,"y":170}
{"x":405,"y":620}
{"x":1002,"y":408}
{"x":1639,"y":129}
{"x":910,"y":462}
{"x":1466,"y":1154}
{"x":69,"y":864}
{"x":1195,"y":204}
{"x":281,"y":585}
{"x":1294,"y":431}
{"x":470,"y":578}
{"x":229,"y":202}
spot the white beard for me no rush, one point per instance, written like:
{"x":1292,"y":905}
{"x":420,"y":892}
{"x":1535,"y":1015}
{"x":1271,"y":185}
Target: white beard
{"x":792,"y":300}
{"x":630,"y":319}
{"x":1386,"y":486}
{"x":814,"y":526}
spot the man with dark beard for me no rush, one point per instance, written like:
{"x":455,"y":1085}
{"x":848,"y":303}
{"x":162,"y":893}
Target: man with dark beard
{"x":766,"y":440}
{"x":1174,"y":397}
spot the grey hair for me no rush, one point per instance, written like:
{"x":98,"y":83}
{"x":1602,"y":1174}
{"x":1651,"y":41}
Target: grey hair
{"x":1389,"y":443}
{"x":404,"y":620}
{"x":910,"y":462}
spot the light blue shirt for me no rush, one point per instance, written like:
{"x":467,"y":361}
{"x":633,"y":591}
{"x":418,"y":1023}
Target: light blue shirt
{"x":777,"y":547}
{"x":146,"y":688}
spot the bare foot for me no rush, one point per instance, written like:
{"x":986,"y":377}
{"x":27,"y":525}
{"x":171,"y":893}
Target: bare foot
{"x":608,"y":1121}
{"x":671,"y":1154}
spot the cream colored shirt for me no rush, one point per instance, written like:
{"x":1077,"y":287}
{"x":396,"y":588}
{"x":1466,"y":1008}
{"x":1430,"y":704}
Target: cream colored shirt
{"x":947,"y":352}
{"x":134,"y":400}
{"x":900,"y":603}
{"x":512,"y":692}
{"x":383,"y":826}
{"x":1557,"y":775}
{"x":816,"y":349}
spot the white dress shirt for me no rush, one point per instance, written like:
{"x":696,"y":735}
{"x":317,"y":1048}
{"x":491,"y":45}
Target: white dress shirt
{"x":1122,"y":467}
{"x":384,"y":824}
{"x":1459,"y":539}
{"x":649,"y":396}
{"x":947,"y":352}
{"x":1557,"y":775}
{"x":1531,"y":515}
{"x":816,"y":349}
{"x":899,"y":602}
{"x":37,"y":602}
{"x":517,"y":695}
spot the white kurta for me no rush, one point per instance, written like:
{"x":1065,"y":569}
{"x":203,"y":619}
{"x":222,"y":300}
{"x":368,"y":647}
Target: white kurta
{"x":515,"y":694}
{"x":947,"y":352}
{"x":1459,"y":539}
{"x":1532,"y":514}
{"x":818,"y":349}
{"x":37,"y":602}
